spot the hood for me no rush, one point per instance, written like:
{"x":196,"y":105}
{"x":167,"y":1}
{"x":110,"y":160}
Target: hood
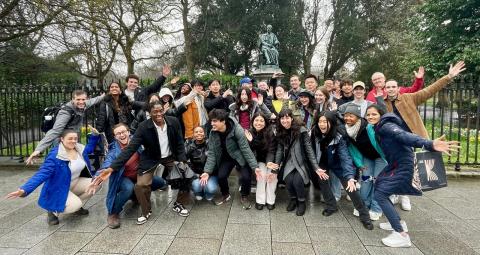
{"x":62,"y":152}
{"x":389,"y":117}
{"x":165,"y":91}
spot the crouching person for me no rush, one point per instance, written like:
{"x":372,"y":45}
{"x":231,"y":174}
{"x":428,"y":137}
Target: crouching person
{"x":66,"y":174}
{"x":197,"y":157}
{"x":122,"y":183}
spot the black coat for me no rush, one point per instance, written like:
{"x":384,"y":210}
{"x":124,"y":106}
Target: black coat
{"x":140,"y":94}
{"x":213,"y":102}
{"x":107,"y":117}
{"x":142,"y":116}
{"x":147,"y":136}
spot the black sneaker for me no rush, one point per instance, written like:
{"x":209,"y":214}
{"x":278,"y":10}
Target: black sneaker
{"x":328,"y":212}
{"x":246,"y":203}
{"x":292,"y":205}
{"x":52,"y":219}
{"x":180,"y":209}
{"x":81,"y":211}
{"x":223,"y":199}
{"x":258,"y":206}
{"x":301,"y":207}
{"x":367,"y":224}
{"x":270,"y":207}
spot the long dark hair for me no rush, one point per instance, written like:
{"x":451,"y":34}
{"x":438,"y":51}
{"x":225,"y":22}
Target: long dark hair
{"x":286,"y":136}
{"x":325,"y":139}
{"x":310,"y":106}
{"x":120,"y":105}
{"x":239,"y":100}
{"x":266,"y":134}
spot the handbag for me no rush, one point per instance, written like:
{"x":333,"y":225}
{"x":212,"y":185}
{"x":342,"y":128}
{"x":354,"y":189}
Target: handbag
{"x":180,"y":176}
{"x":429,"y":171}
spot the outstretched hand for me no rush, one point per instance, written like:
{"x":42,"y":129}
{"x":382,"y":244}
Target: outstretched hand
{"x":456,"y":69}
{"x":15,"y":194}
{"x":92,"y":188}
{"x":420,"y":73}
{"x":30,"y":160}
{"x":446,"y":147}
{"x":166,"y":70}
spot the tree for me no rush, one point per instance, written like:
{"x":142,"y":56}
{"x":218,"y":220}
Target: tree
{"x":20,"y":18}
{"x":448,"y":31}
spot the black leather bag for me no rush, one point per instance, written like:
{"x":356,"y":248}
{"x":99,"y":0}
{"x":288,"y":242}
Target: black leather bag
{"x":180,"y":176}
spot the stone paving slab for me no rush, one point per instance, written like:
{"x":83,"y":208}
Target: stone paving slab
{"x":444,"y":221}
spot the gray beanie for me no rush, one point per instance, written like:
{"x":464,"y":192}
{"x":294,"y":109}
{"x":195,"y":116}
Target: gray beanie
{"x":353,"y":109}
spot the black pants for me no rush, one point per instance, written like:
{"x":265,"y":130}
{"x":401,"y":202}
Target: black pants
{"x":224,"y":171}
{"x":327,"y":194}
{"x":357,"y":202}
{"x":295,"y":185}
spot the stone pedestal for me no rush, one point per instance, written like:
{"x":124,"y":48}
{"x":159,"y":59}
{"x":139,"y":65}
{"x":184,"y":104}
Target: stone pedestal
{"x":265,"y":72}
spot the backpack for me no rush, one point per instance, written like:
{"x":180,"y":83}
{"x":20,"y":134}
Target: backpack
{"x":49,"y":116}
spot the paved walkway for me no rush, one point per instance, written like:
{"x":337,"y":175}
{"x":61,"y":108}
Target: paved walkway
{"x":445,"y":221}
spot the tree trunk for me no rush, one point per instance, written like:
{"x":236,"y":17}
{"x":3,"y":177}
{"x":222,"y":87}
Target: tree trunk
{"x":187,"y":34}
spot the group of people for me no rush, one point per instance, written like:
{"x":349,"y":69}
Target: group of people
{"x":328,"y":137}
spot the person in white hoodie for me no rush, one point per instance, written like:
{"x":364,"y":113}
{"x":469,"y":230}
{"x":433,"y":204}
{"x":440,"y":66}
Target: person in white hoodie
{"x":196,"y":114}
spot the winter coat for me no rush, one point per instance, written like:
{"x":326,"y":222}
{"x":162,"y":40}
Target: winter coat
{"x":213,"y":102}
{"x":263,"y":152}
{"x":237,"y":148}
{"x":141,"y":94}
{"x":357,"y":156}
{"x":406,"y":105}
{"x":255,"y":108}
{"x":416,"y":86}
{"x":338,"y":158}
{"x":106,"y":118}
{"x":397,"y":145}
{"x":55,"y":174}
{"x":147,"y":136}
{"x":142,"y":116}
{"x":197,"y":155}
{"x":301,"y":154}
{"x":62,"y":122}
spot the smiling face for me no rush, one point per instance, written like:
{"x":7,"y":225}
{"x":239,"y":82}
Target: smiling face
{"x":359,"y":92}
{"x":347,"y":88}
{"x":218,"y":125}
{"x":304,"y":100}
{"x":373,"y":116}
{"x":132,"y":84}
{"x":70,"y":140}
{"x":185,"y":90}
{"x":244,"y":96}
{"x":115,"y":89}
{"x":378,"y":80}
{"x":286,"y":121}
{"x":319,"y":97}
{"x":214,"y":87}
{"x":328,"y":84}
{"x":199,"y":134}
{"x":323,"y":125}
{"x":311,"y":84}
{"x":80,"y":101}
{"x":122,"y":135}
{"x":295,"y":82}
{"x":392,"y":88}
{"x":258,"y":123}
{"x":156,"y":114}
{"x":350,"y":119}
{"x":279,"y":92}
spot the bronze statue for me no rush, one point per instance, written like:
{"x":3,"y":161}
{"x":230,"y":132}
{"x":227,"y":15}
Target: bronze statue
{"x":268,"y":44}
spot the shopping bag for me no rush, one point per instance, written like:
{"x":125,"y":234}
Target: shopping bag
{"x":180,"y":176}
{"x":429,"y":171}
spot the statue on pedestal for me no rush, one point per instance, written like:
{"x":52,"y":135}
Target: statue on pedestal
{"x":267,"y":44}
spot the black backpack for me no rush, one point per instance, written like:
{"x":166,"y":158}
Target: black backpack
{"x":49,"y":116}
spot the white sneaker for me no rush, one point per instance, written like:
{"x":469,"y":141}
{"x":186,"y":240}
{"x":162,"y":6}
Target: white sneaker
{"x":397,"y":240}
{"x":394,"y":199}
{"x":356,"y":213}
{"x":141,"y":220}
{"x":387,"y":226}
{"x":405,"y":203}
{"x":198,"y":198}
{"x":375,"y":215}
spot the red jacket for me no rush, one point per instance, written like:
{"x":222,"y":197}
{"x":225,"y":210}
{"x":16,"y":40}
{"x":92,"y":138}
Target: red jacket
{"x":416,"y":86}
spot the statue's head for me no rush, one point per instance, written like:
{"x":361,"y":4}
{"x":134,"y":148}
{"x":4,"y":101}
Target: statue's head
{"x":269,"y":28}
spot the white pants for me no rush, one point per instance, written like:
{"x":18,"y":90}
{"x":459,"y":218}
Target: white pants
{"x":265,"y":190}
{"x":77,"y":196}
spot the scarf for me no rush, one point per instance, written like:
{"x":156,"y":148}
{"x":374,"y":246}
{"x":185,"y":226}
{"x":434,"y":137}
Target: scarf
{"x":243,"y":107}
{"x":352,"y":131}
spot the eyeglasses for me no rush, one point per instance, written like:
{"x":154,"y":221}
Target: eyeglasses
{"x":119,"y":133}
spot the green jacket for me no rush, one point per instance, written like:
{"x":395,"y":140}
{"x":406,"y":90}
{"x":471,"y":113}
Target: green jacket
{"x":237,"y":147}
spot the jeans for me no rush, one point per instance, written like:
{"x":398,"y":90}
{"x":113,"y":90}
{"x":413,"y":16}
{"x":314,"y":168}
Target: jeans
{"x":125,"y":191}
{"x":373,"y":168}
{"x":207,"y":191}
{"x":389,"y":210}
{"x":335,"y":185}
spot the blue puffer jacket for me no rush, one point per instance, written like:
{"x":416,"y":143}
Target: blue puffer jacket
{"x":396,"y":144}
{"x":114,"y":149}
{"x":56,"y":175}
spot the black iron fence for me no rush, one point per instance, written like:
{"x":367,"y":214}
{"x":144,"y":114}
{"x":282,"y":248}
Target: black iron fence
{"x":454,"y":112}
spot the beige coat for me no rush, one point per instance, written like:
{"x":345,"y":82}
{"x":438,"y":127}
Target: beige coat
{"x":406,"y":105}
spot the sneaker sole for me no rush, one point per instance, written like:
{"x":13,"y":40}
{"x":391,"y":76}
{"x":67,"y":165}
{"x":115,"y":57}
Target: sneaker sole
{"x":141,"y":222}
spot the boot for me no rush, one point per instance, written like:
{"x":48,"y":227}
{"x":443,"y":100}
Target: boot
{"x":301,"y":207}
{"x":292,"y":205}
{"x":52,"y":219}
